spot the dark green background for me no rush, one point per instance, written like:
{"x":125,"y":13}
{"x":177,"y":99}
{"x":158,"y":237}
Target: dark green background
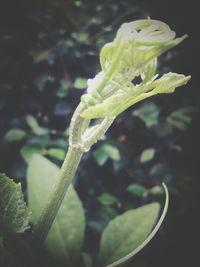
{"x":72,"y":32}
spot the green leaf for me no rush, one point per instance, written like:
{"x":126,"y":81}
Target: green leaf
{"x":107,"y":199}
{"x":39,"y":56}
{"x":148,"y":113}
{"x":66,"y":235}
{"x":100,"y":157}
{"x":63,"y":90}
{"x":126,"y":232}
{"x":15,"y":135}
{"x":80,"y":83}
{"x":55,"y":153}
{"x":137,"y":189}
{"x":177,"y":123}
{"x":104,"y":152}
{"x":182,"y":117}
{"x":82,"y":37}
{"x":13,"y":211}
{"x":108,"y":212}
{"x":111,"y":151}
{"x":27,"y":151}
{"x":147,"y":155}
{"x":33,"y":124}
{"x":156,"y":190}
{"x":186,"y":111}
{"x":126,"y":257}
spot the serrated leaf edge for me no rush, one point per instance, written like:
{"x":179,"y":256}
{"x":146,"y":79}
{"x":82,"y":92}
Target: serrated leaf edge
{"x":21,"y":202}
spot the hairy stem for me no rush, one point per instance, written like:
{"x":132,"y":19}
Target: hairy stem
{"x":49,"y":213}
{"x":68,"y":169}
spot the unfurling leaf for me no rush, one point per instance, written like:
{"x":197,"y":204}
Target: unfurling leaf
{"x":141,"y":42}
{"x":169,"y":82}
{"x":132,"y":55}
{"x":122,"y":100}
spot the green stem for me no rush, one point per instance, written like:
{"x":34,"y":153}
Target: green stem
{"x":73,"y":157}
{"x":49,"y":213}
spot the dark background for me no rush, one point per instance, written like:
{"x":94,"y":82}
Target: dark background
{"x":30,"y":83}
{"x":182,"y":246}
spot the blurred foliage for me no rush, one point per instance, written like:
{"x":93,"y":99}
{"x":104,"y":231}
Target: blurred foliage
{"x":48,"y":50}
